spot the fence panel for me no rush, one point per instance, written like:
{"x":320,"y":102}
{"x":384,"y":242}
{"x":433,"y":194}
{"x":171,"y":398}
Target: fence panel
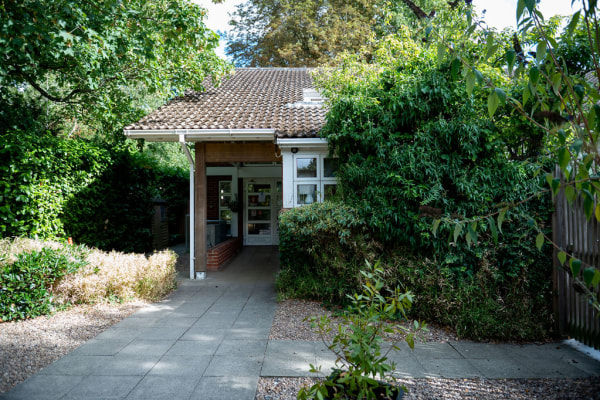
{"x":580,"y":238}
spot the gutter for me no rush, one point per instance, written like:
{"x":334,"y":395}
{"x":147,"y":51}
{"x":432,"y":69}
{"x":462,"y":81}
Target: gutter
{"x":201,"y":135}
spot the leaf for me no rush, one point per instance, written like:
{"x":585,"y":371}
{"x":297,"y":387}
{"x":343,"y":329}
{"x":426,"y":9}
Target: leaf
{"x":556,"y":81}
{"x":472,"y":229}
{"x":563,"y":158}
{"x":534,"y":75}
{"x":493,"y":103}
{"x":491,"y":46}
{"x":540,"y":52}
{"x":597,"y":212}
{"x":511,"y":57}
{"x":596,"y":279}
{"x":562,"y":257}
{"x":457,"y":231}
{"x":501,"y":95}
{"x":441,"y":52}
{"x":530,"y":4}
{"x":501,"y":217}
{"x":575,"y":265}
{"x":479,"y":76}
{"x":573,"y":23}
{"x":436,"y":224}
{"x":588,"y":275}
{"x":520,"y":9}
{"x":539,"y":241}
{"x":455,"y":68}
{"x":470,"y":78}
{"x":570,"y":193}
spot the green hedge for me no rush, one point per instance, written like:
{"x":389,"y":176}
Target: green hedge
{"x":25,"y":284}
{"x":97,"y":193}
{"x":322,"y":247}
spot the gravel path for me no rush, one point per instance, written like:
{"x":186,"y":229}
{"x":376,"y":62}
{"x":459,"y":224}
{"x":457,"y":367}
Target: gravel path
{"x":28,"y":346}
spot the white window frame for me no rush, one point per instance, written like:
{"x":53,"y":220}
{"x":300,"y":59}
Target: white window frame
{"x":319,"y":181}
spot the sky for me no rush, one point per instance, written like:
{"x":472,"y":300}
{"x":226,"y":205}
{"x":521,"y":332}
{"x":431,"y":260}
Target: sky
{"x":499,"y":13}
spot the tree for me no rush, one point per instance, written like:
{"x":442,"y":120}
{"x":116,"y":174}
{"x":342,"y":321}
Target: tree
{"x":96,"y":57}
{"x":290,"y":33}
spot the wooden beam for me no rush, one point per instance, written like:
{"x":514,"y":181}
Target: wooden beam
{"x":201,"y":208}
{"x":242,"y":152}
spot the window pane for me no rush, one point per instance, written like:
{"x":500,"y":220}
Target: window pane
{"x":307,"y":167}
{"x":259,"y":215}
{"x":224,"y":200}
{"x":259,"y":200}
{"x":224,"y":187}
{"x":330,"y":167}
{"x":259,"y":188}
{"x":330,"y":191}
{"x":225,"y":215}
{"x":306,"y":194}
{"x":259,"y":229}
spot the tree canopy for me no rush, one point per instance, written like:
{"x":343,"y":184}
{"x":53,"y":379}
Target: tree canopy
{"x":298,"y":33}
{"x":100,"y":57}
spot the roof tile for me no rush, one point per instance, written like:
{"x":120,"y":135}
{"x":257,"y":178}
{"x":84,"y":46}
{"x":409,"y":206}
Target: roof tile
{"x":253,"y":98}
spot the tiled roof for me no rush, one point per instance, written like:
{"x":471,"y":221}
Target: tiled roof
{"x":253,"y":98}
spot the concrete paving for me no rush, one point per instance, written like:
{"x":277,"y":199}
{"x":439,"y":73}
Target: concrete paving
{"x":209,"y":340}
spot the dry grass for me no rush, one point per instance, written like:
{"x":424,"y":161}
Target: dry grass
{"x":108,"y":276}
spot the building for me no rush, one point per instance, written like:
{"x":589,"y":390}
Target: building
{"x":257,"y":151}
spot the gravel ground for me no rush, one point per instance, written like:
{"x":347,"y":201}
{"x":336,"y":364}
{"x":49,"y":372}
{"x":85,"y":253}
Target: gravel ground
{"x":289,"y":324}
{"x":28,"y":346}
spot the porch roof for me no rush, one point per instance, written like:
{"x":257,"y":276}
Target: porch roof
{"x":254,"y":104}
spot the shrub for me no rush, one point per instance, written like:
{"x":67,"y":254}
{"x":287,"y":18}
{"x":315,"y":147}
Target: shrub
{"x":27,"y":280}
{"x":321,"y":246}
{"x":36,"y":276}
{"x":487,"y":305}
{"x":121,"y":277}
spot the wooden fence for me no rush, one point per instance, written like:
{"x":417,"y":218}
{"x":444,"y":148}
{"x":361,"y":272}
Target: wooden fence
{"x":579,"y":237}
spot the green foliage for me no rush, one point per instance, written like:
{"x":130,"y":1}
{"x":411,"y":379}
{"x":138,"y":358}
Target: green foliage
{"x":96,"y":58}
{"x":488,"y":305}
{"x":269,"y":33}
{"x":25,"y":284}
{"x":361,"y":369}
{"x":98,"y":194}
{"x":413,"y":145}
{"x":320,"y":246}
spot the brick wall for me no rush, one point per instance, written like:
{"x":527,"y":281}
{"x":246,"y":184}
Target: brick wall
{"x":220,"y":254}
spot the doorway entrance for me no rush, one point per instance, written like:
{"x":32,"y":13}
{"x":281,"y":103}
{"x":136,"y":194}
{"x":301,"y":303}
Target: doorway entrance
{"x":263,"y":199}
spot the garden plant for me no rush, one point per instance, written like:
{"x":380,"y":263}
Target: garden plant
{"x":362,"y":368}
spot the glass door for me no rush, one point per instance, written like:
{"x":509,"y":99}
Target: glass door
{"x":263,"y":200}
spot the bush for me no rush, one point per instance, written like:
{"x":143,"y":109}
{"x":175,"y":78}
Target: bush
{"x":28,"y":278}
{"x":116,"y":276}
{"x":321,"y":247}
{"x":489,"y":305}
{"x":36,"y":276}
{"x":99,"y":194}
{"x":505,"y":295}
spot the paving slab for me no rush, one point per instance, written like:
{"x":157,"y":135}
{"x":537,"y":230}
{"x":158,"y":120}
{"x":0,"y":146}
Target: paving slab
{"x":210,"y":340}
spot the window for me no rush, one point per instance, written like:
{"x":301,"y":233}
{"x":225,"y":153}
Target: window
{"x":314,"y":178}
{"x":225,"y":198}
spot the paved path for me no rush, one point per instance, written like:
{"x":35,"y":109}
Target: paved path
{"x":209,"y":340}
